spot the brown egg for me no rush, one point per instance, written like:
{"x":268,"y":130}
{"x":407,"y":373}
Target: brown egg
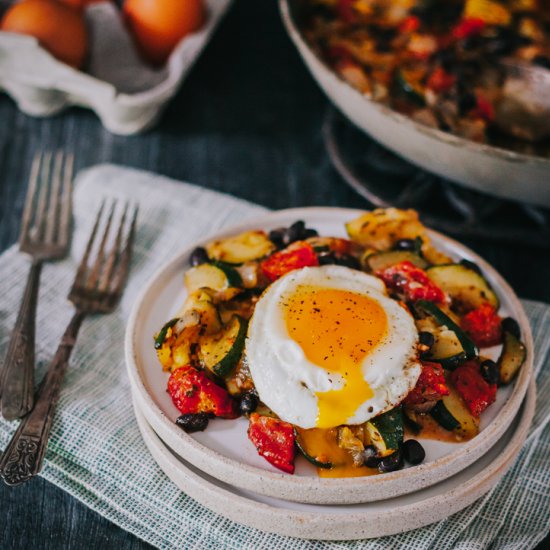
{"x":59,"y":28}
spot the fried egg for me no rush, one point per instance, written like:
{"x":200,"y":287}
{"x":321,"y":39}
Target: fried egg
{"x":326,"y":346}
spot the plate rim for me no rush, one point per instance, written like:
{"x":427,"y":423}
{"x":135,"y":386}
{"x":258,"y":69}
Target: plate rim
{"x":305,"y":524}
{"x":310,"y":489}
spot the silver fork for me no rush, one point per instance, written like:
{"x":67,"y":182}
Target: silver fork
{"x":44,"y":236}
{"x":97,"y":288}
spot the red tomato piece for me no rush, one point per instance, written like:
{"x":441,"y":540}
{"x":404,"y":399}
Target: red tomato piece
{"x":484,"y":109}
{"x":345,"y":11}
{"x":297,"y":255}
{"x":483,"y":325}
{"x":409,"y":24}
{"x":430,"y":386}
{"x":469,"y":26}
{"x":472,"y":387}
{"x":193,"y":392}
{"x":440,"y":81}
{"x":412,"y":282}
{"x":274,"y":440}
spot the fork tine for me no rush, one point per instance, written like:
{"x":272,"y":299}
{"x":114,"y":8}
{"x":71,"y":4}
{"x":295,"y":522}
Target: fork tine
{"x":95,"y":271}
{"x":53,"y":205}
{"x":83,"y":266}
{"x":66,"y":201}
{"x":113,"y":254}
{"x":119,"y":277}
{"x":43,"y":195}
{"x":29,"y":200}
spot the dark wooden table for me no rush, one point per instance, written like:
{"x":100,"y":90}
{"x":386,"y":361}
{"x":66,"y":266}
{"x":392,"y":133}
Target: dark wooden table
{"x":246,"y":122}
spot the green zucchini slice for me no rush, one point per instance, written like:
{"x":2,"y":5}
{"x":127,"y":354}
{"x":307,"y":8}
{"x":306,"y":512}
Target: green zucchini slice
{"x":251,"y":245}
{"x":443,"y":417}
{"x":467,"y":288}
{"x":382,"y":260}
{"x":161,"y":335}
{"x":386,"y":431}
{"x":451,"y":407}
{"x":221,"y":352}
{"x":511,"y":358}
{"x":216,"y":276}
{"x":308,"y":452}
{"x":470,"y":349}
{"x":447,"y":349}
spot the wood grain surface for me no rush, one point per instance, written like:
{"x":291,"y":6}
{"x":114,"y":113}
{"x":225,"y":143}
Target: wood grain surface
{"x":246,"y":122}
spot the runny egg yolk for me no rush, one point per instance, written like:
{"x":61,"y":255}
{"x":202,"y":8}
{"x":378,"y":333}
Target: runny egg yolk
{"x":336,"y":329}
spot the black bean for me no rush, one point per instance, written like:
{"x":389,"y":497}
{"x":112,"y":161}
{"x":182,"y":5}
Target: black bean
{"x":413,"y":452}
{"x":198,"y":256}
{"x":489,"y":371}
{"x":405,"y":244}
{"x":370,"y":457}
{"x":512,"y":326}
{"x":391,"y":462}
{"x":426,"y":339}
{"x":249,"y":403}
{"x":326,"y":258}
{"x":471,"y":265}
{"x":294,"y":233}
{"x":192,"y":422}
{"x":347,"y":260}
{"x":308,"y":233}
{"x":276,"y":236}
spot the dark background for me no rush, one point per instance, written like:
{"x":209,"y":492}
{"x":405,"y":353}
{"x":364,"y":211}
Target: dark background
{"x":247,"y":122}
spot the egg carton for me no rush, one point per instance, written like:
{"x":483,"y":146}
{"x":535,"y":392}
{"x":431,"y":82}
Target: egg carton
{"x":125,"y":93}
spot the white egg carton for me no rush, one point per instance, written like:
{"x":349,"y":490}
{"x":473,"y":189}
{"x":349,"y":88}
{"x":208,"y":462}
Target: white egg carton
{"x":126,"y":94}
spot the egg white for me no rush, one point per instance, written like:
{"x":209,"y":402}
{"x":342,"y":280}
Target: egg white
{"x":287,"y":382}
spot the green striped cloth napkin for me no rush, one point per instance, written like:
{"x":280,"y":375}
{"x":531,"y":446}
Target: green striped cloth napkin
{"x":96,"y":452}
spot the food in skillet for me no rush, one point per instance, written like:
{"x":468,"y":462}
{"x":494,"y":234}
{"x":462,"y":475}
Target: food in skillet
{"x":343,"y":349}
{"x":443,"y":62}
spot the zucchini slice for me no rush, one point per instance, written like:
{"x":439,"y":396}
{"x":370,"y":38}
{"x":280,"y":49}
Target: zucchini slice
{"x":443,"y":417}
{"x":470,"y":349}
{"x":386,"y":431}
{"x":216,"y":276}
{"x":453,"y":407}
{"x":446,"y":350}
{"x":511,"y":358}
{"x":161,"y":335}
{"x":467,"y":288}
{"x":381,"y":260}
{"x":306,"y":445}
{"x":242,"y":248}
{"x":221,"y":352}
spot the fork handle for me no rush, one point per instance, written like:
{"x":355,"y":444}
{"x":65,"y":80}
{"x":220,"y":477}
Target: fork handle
{"x":17,"y":384}
{"x":24,"y":454}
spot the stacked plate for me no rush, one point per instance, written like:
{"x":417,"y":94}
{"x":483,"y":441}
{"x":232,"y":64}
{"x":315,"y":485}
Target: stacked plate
{"x":222,"y":470}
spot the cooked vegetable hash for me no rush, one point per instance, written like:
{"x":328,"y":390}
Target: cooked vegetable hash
{"x":345,"y":351}
{"x":441,"y":61}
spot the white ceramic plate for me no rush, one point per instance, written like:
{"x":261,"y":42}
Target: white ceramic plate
{"x":224,"y":450}
{"x":475,"y":165}
{"x":348,"y":522}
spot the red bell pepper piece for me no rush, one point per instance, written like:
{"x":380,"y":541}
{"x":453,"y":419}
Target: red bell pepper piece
{"x":484,"y":109}
{"x":412,"y":282}
{"x":469,"y":26}
{"x":473,"y":388}
{"x":483,"y":325}
{"x":409,"y":24}
{"x":430,"y":386}
{"x":297,"y":255}
{"x":440,"y":81}
{"x":193,"y":392}
{"x":345,"y":11}
{"x":274,"y":440}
